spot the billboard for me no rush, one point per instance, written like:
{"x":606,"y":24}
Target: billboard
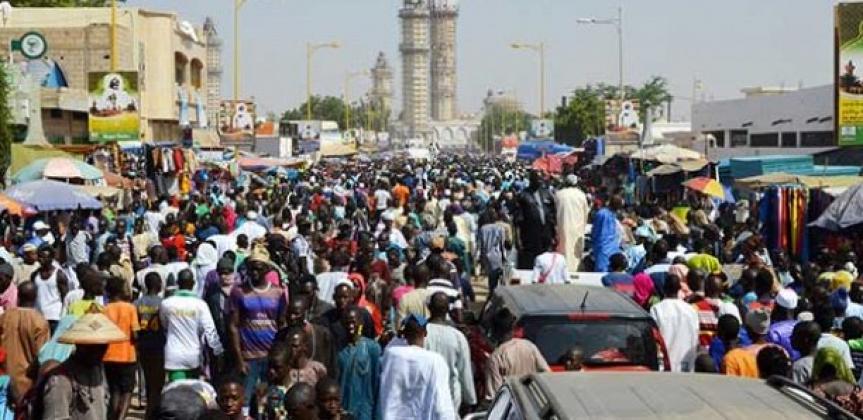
{"x":849,"y":86}
{"x":621,"y":115}
{"x":114,"y":106}
{"x":237,"y":118}
{"x":541,"y":129}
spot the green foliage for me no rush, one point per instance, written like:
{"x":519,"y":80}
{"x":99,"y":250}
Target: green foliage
{"x":5,"y":123}
{"x":584,"y":114}
{"x":500,"y":121}
{"x":329,"y":108}
{"x":61,"y":3}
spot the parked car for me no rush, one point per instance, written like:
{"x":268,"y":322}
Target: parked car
{"x":612,"y":330}
{"x":617,"y":395}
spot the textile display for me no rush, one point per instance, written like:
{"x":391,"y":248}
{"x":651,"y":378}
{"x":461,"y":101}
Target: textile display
{"x":784,"y":214}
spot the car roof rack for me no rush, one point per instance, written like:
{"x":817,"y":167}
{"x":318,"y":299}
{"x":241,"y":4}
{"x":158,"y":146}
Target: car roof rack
{"x":833,"y":410}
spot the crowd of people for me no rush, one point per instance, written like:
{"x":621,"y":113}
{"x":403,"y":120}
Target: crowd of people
{"x":341,"y":293}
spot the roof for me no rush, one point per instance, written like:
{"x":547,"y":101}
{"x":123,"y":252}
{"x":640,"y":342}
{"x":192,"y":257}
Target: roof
{"x":562,"y":299}
{"x":646,"y":395}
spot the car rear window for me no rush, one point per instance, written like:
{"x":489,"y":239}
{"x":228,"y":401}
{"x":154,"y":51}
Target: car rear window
{"x":604,"y":342}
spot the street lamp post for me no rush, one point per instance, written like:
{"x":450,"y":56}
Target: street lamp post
{"x":310,"y":51}
{"x":540,"y":48}
{"x":618,"y":23}
{"x":348,"y":77}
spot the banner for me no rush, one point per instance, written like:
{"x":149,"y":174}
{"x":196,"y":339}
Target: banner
{"x":237,"y":119}
{"x":849,"y":55}
{"x":114,"y":106}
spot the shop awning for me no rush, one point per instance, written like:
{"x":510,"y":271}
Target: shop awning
{"x":780,"y":178}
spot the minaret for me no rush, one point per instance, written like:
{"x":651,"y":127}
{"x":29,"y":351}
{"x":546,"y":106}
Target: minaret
{"x":444,"y":15}
{"x":415,"y":67}
{"x":382,"y":84}
{"x":214,"y":72}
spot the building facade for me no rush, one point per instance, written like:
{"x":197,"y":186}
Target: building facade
{"x":444,"y":16}
{"x":214,"y":71}
{"x":414,"y":49}
{"x":169,"y":55}
{"x":769,"y":118}
{"x":381,"y":93}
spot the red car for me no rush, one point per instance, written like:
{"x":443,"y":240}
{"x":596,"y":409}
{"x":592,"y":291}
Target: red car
{"x":612,"y":330}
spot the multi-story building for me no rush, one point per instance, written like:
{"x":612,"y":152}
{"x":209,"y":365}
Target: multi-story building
{"x":444,"y":16}
{"x":170,"y":56}
{"x":381,"y":93}
{"x":415,"y":48}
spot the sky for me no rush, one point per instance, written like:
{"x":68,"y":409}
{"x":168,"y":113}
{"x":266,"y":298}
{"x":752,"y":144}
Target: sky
{"x":726,"y":44}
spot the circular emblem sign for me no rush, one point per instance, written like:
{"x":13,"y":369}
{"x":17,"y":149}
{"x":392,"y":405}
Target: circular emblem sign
{"x":33,"y":45}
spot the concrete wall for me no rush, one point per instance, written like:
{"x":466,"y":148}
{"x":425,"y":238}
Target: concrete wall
{"x":148,"y":41}
{"x":809,"y":111}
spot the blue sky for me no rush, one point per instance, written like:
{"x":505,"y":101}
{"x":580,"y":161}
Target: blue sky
{"x":728,"y":44}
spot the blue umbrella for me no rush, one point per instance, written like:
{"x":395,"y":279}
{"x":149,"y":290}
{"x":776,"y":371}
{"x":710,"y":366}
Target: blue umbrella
{"x":46,"y":195}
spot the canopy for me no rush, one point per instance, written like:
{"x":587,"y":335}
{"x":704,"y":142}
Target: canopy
{"x":23,"y":154}
{"x":667,"y":153}
{"x":14,"y":207}
{"x":258,"y":163}
{"x":46,"y":195}
{"x":673,"y":168}
{"x":780,"y":178}
{"x":844,"y":212}
{"x":57,"y":167}
{"x":99,"y":191}
{"x":119,"y":181}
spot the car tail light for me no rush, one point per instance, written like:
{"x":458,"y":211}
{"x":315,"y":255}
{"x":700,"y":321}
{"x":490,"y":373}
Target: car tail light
{"x":662,"y":355}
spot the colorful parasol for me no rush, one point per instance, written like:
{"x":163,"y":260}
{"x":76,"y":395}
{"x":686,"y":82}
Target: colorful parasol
{"x":57,"y":167}
{"x":46,"y":195}
{"x":707,"y":186}
{"x":15,"y":207}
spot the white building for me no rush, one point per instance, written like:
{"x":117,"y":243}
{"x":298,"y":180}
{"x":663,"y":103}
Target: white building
{"x":769,"y":118}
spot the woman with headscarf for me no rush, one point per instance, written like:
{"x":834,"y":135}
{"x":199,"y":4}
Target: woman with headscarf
{"x":831,"y":376}
{"x":644,"y":288}
{"x":360,"y":300}
{"x":206,"y":258}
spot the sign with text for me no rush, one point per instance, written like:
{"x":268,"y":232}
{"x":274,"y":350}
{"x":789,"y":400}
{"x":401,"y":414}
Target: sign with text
{"x":114,"y":106}
{"x":849,"y":87}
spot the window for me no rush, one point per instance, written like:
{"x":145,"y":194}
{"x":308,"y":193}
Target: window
{"x":719,"y":136}
{"x":817,"y":139}
{"x":180,"y":64}
{"x":789,"y":139}
{"x":739,"y":138}
{"x":56,"y":114}
{"x":197,"y":69}
{"x":612,"y":342}
{"x":500,"y":406}
{"x":764,"y":140}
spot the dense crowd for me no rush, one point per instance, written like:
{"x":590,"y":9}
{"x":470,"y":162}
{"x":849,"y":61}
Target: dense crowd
{"x":341,"y":293}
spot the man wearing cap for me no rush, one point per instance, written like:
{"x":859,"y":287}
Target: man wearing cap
{"x":742,"y":361}
{"x":41,"y":234}
{"x":77,"y":390}
{"x":572,"y":212}
{"x":23,"y":331}
{"x":429,"y":395}
{"x":28,"y":265}
{"x":252,"y":228}
{"x":783,"y":321}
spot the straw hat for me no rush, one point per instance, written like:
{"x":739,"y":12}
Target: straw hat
{"x":259,"y":253}
{"x":93,"y":329}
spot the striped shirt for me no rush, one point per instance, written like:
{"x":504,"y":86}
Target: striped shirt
{"x":259,"y":311}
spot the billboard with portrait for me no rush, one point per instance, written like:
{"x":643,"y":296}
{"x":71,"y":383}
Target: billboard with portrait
{"x":237,"y":118}
{"x":849,"y":85}
{"x":114,"y":106}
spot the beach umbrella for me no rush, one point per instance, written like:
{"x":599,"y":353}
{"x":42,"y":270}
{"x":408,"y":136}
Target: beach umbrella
{"x":706,"y":185}
{"x":57,"y":167}
{"x":14,"y":207}
{"x":46,"y":195}
{"x":845,"y":211}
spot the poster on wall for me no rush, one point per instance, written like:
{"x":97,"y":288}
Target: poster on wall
{"x":237,"y":119}
{"x":849,"y":85}
{"x":114,"y":106}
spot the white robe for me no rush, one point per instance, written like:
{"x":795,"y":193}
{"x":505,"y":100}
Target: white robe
{"x":415,"y":385}
{"x":572,"y":212}
{"x":678,"y":324}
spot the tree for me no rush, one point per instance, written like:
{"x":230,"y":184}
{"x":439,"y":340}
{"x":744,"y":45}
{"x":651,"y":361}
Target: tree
{"x":653,"y":93}
{"x":584,"y":114}
{"x":61,"y":3}
{"x":328,"y":108}
{"x":501,"y":120}
{"x":5,"y":123}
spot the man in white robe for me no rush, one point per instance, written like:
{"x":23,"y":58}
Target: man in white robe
{"x":415,"y":381}
{"x":572,"y":213}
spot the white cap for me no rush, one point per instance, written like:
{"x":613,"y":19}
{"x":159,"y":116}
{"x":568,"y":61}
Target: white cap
{"x":787,"y":298}
{"x":572,"y":179}
{"x":40,"y":225}
{"x":252,"y":215}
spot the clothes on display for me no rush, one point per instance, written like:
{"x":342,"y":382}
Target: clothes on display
{"x":784,"y":213}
